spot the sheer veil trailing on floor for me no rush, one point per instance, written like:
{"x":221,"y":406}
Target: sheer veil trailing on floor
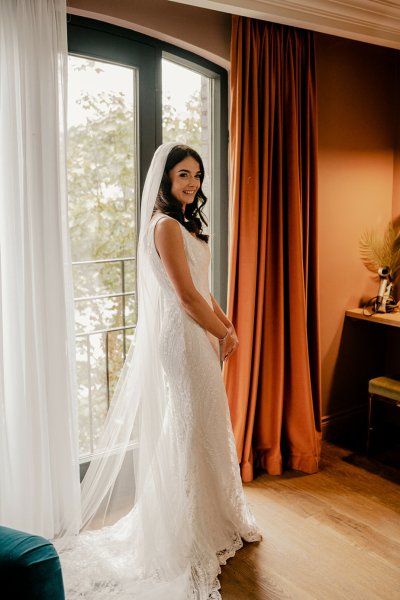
{"x":140,"y":380}
{"x":153,"y":552}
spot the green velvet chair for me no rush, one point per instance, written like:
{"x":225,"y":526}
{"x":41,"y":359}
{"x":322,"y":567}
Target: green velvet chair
{"x":30,"y":568}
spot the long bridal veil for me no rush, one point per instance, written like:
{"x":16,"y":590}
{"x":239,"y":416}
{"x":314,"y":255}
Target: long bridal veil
{"x":153,"y":535}
{"x":137,"y":410}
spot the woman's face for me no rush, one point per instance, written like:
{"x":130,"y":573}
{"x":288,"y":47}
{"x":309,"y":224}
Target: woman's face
{"x":185,"y":180}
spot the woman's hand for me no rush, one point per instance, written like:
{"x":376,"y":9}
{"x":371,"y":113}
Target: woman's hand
{"x":232,"y":331}
{"x":229,"y":344}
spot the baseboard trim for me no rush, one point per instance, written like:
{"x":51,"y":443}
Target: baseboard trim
{"x":341,"y":423}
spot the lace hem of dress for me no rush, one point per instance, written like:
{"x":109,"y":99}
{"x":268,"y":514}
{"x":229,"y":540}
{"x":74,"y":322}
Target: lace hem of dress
{"x":223,"y":556}
{"x":101,"y":582}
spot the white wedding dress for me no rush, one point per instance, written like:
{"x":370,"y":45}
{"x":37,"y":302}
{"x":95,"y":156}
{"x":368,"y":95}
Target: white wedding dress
{"x":188,"y":523}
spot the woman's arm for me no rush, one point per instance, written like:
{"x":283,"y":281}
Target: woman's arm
{"x":169,"y":244}
{"x":220,"y":313}
{"x":222,"y":316}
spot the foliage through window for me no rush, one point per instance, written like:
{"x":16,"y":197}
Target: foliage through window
{"x":103,"y":211}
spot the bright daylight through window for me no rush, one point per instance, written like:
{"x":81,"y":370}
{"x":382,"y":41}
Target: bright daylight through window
{"x":103,"y":140}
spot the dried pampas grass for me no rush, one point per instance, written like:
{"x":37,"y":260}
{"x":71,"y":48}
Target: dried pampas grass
{"x":379,"y":252}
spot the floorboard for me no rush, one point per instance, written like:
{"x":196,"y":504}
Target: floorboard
{"x":334,"y":535}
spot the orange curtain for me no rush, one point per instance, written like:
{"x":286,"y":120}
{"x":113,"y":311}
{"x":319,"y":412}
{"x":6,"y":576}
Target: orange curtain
{"x":273,"y":380}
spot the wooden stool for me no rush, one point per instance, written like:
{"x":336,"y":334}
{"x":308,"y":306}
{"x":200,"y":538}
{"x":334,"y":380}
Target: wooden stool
{"x":382,"y":389}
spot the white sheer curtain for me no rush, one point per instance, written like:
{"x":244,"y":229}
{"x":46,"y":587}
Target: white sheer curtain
{"x":38,"y":448}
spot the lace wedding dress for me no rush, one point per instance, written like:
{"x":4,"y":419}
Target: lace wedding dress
{"x":192,"y":514}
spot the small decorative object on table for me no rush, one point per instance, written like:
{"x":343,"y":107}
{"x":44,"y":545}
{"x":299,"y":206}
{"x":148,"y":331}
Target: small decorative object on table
{"x":382,"y":257}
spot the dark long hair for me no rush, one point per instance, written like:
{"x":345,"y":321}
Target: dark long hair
{"x":193,"y":218}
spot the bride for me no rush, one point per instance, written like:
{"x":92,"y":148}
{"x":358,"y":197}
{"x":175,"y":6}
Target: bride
{"x":189,"y":513}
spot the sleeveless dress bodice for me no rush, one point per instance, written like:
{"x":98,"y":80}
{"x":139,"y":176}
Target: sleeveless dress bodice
{"x":198,"y":257}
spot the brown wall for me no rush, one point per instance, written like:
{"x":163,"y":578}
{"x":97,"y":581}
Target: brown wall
{"x":396,"y":177}
{"x":357,"y":134}
{"x":206,"y":32}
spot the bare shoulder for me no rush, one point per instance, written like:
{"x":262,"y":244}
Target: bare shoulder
{"x":167,"y":228}
{"x":166,"y":223}
{"x":167,"y":234}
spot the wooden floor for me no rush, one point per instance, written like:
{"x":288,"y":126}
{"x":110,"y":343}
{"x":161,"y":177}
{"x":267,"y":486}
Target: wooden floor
{"x":334,"y":535}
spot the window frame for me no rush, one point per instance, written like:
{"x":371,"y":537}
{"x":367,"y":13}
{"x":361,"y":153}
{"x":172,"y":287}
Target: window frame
{"x":110,"y":43}
{"x":94,"y":38}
